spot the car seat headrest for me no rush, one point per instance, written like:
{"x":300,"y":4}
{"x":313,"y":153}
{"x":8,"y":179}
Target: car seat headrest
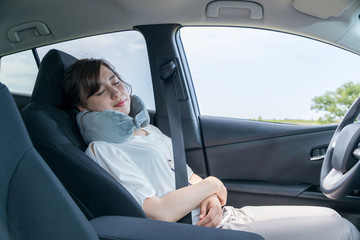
{"x":48,"y":86}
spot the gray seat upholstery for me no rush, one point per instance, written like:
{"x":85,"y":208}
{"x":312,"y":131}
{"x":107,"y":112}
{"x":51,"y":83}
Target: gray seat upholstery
{"x":33,"y":203}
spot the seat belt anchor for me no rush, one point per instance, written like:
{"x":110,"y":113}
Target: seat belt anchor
{"x":168,"y":71}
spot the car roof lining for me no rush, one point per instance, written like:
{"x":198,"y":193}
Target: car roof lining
{"x":117,"y":15}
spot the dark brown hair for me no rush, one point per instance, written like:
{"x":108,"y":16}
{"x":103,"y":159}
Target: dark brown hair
{"x":82,"y":80}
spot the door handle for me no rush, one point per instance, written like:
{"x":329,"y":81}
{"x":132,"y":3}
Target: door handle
{"x":318,"y":153}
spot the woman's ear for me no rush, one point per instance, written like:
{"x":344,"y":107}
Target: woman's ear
{"x":82,"y":108}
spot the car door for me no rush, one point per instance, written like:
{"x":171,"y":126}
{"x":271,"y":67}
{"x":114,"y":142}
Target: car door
{"x":262,"y":132}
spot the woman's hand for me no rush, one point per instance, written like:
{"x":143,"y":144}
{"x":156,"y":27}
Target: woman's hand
{"x":222,"y":192}
{"x":176,"y":204}
{"x":210,"y":212}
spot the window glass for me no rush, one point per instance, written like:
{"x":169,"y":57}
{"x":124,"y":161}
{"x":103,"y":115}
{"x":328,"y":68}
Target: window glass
{"x":126,"y":51}
{"x":267,"y":75}
{"x":18,"y":72}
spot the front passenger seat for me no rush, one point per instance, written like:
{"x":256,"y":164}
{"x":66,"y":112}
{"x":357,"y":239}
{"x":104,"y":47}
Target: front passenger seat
{"x":51,"y":125}
{"x":35,"y":205}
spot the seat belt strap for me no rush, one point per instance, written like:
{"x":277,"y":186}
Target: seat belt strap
{"x":169,"y":74}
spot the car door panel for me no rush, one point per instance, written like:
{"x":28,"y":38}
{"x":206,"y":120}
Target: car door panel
{"x":262,"y":151}
{"x":264,"y":163}
{"x":279,"y":159}
{"x":264,"y":158}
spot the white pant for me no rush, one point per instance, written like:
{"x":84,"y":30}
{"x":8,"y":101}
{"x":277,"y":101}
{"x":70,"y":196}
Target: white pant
{"x":289,"y":222}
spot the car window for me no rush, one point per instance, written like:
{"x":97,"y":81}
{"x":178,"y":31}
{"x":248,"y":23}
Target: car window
{"x":18,"y":72}
{"x":270,"y":76}
{"x":126,"y":51}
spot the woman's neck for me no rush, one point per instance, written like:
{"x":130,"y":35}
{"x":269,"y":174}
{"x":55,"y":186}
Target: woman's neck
{"x":140,"y":132}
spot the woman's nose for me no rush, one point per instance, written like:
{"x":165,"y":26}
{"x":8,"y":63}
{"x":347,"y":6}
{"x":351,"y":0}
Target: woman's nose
{"x":115,"y":93}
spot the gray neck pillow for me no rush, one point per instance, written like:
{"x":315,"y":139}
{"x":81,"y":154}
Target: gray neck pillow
{"x":113,"y":126}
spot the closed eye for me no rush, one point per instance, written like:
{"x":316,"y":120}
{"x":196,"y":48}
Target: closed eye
{"x":100,"y":93}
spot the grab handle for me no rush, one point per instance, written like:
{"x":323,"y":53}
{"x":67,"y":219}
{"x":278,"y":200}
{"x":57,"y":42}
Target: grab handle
{"x":40,"y":30}
{"x":213,"y":8}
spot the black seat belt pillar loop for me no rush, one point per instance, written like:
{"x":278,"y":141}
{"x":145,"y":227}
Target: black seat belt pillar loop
{"x":169,"y":74}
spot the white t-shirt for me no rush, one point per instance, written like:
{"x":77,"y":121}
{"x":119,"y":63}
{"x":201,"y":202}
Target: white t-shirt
{"x":143,"y":165}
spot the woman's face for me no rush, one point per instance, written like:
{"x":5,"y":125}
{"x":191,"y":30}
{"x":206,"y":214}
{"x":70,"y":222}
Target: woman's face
{"x":112,"y":94}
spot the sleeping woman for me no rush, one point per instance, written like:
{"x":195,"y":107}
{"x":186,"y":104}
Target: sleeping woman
{"x":115,"y":125}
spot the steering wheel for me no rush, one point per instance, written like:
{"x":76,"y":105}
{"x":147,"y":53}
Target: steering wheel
{"x":340,"y":172}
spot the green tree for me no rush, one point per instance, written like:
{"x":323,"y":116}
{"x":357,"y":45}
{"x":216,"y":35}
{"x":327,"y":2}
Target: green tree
{"x":336,"y":103}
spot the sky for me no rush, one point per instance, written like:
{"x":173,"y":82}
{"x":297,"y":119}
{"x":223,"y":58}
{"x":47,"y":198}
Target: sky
{"x":236,"y":72}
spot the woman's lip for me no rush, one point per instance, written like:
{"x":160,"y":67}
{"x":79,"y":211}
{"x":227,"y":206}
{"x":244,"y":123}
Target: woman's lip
{"x":120,"y":104}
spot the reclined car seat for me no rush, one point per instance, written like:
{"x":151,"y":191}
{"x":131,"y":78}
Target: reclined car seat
{"x":51,"y":125}
{"x":35,"y":205}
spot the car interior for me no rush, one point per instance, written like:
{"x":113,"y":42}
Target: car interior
{"x":35,"y":204}
{"x":52,"y":190}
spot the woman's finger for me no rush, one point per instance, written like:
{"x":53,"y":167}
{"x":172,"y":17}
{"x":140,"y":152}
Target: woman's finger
{"x":203,"y":210}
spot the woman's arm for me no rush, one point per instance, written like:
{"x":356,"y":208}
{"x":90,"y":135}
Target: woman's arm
{"x":210,"y":208}
{"x":175,"y":205}
{"x":195,"y":178}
